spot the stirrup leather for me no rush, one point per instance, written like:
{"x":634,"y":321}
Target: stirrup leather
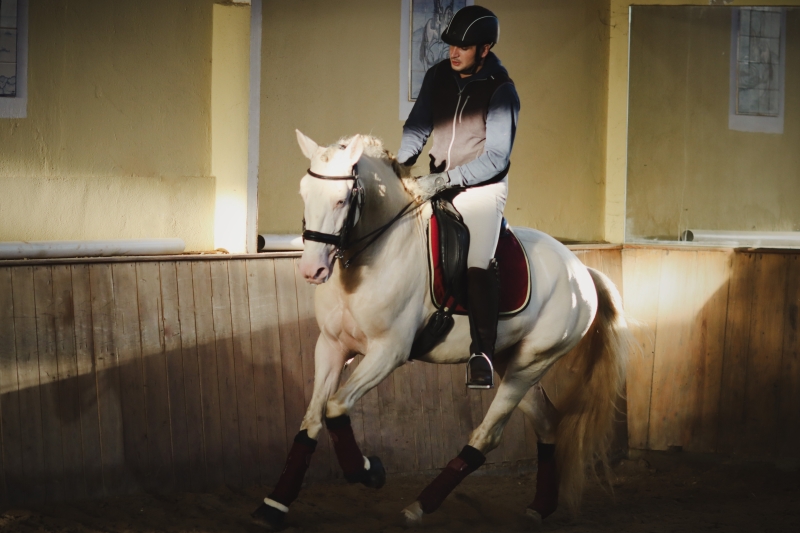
{"x":470,"y":384}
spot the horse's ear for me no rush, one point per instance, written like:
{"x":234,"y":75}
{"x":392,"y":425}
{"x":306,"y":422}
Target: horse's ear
{"x":354,"y":149}
{"x":306,"y":144}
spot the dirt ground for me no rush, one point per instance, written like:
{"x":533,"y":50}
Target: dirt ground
{"x":654,"y":493}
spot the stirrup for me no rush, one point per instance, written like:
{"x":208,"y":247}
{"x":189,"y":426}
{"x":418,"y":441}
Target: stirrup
{"x":471,"y":385}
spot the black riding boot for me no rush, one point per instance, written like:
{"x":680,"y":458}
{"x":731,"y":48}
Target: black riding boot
{"x":483,"y":295}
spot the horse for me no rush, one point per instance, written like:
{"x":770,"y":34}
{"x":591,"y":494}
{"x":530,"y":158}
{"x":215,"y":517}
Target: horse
{"x":361,"y":208}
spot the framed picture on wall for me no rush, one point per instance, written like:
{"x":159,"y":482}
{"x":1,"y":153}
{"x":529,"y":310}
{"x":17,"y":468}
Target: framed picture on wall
{"x":421,"y":46}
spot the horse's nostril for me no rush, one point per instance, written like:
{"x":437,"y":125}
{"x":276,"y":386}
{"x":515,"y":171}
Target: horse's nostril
{"x":320,"y":272}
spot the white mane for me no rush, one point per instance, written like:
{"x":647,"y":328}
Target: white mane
{"x":374,"y":147}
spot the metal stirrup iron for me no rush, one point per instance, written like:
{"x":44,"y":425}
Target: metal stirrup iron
{"x":470,"y":384}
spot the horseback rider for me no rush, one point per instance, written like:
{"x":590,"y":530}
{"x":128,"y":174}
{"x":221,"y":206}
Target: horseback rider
{"x":470,"y":105}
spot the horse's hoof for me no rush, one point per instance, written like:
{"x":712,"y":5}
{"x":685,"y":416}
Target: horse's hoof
{"x":534,"y":517}
{"x":375,"y":477}
{"x":268,"y":517}
{"x":412,"y":515}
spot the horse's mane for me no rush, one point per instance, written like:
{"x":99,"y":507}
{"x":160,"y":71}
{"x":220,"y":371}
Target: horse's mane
{"x":374,"y":147}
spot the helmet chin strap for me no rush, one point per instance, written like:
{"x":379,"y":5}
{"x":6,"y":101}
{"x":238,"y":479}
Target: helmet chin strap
{"x":473,"y":69}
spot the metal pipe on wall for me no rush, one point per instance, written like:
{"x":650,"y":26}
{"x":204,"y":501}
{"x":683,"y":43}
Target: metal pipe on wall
{"x":279,"y":243}
{"x":739,"y":238}
{"x":62,"y":249}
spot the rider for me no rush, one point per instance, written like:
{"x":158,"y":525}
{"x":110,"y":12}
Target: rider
{"x":471,"y":106}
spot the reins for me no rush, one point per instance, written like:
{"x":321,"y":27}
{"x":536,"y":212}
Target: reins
{"x":340,"y":240}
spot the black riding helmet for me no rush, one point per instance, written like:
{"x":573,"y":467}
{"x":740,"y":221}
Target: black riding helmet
{"x":472,"y":25}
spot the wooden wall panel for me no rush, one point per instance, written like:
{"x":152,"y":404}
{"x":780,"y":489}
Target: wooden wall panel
{"x":176,"y":383}
{"x":267,"y":368}
{"x":69,"y":408}
{"x":10,"y":431}
{"x":197,"y":471}
{"x":788,"y":442}
{"x":734,"y":366}
{"x":154,"y":372}
{"x":35,"y":478}
{"x":764,"y":354}
{"x":291,"y":349}
{"x":641,"y":282}
{"x":706,"y":351}
{"x":87,"y":380}
{"x":209,"y":382}
{"x":192,"y":374}
{"x":48,"y":383}
{"x":243,"y":363}
{"x":671,"y":372}
{"x":226,"y":372}
{"x":127,"y":341}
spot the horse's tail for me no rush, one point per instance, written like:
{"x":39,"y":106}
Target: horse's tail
{"x":585,"y":430}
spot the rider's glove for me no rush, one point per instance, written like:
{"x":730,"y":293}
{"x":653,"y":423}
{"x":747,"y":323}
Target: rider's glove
{"x":431,"y":185}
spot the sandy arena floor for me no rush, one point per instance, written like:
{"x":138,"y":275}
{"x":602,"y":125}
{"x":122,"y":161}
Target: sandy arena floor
{"x":661,"y":493}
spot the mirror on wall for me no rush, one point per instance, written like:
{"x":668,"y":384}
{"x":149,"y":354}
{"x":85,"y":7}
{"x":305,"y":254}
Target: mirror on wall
{"x":714,"y":122}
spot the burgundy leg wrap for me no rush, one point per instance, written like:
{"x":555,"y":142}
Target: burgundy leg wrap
{"x":468,"y":461}
{"x":288,"y":486}
{"x":344,"y":443}
{"x":546,"y":500}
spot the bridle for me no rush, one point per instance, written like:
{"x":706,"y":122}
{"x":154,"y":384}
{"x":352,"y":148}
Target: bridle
{"x":341,"y":240}
{"x":356,"y":203}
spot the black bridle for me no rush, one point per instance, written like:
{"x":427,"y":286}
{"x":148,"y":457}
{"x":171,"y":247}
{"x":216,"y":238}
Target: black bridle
{"x":341,"y":239}
{"x":356,"y":203}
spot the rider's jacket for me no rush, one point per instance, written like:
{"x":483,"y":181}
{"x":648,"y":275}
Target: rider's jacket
{"x":473,"y":121}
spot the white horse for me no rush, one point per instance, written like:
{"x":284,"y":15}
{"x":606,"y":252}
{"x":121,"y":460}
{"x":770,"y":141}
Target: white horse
{"x":378,"y":305}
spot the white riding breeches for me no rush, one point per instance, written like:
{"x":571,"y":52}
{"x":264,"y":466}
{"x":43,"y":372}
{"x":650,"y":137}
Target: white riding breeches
{"x":481,"y":208}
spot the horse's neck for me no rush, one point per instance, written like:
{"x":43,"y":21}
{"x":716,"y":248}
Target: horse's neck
{"x":385,"y":195}
{"x":400,"y":245}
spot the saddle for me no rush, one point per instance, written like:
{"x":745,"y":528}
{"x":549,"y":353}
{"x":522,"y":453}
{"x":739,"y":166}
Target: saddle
{"x":448,"y":246}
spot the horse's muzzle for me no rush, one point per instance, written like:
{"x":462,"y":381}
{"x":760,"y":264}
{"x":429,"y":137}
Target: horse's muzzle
{"x":316,"y":264}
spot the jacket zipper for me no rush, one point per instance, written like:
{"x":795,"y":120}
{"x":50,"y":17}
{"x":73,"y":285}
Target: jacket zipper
{"x":460,"y":115}
{"x":457,"y":118}
{"x":453,"y":136}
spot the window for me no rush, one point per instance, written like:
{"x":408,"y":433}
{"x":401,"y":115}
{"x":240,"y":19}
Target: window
{"x":13,"y":58}
{"x":758,"y":47}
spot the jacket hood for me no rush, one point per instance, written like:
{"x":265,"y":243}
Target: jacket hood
{"x":491,"y":67}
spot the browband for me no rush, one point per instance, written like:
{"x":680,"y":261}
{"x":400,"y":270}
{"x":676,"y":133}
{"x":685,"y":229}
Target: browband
{"x":332,"y":178}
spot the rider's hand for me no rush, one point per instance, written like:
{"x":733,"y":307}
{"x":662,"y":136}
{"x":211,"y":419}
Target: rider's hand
{"x":431,"y":185}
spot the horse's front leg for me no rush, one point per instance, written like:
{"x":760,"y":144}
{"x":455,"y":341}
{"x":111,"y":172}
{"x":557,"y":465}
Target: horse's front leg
{"x":384,"y":356}
{"x":329,"y":360}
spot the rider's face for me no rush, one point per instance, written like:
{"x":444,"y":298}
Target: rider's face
{"x":462,"y":59}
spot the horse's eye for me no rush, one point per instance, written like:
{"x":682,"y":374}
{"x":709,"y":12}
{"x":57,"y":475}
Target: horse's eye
{"x":340,"y":203}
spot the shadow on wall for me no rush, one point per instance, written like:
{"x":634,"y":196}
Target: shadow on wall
{"x":157,"y":376}
{"x":190,"y":375}
{"x":720,"y":364}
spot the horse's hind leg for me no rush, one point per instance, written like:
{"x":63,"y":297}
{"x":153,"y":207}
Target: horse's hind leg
{"x":328,"y":362}
{"x":543,"y":415}
{"x":485,"y":438}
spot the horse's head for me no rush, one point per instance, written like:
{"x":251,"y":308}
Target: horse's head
{"x":327,"y":194}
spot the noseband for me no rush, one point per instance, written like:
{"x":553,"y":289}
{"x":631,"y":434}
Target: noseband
{"x":341,"y":239}
{"x":356,"y":203}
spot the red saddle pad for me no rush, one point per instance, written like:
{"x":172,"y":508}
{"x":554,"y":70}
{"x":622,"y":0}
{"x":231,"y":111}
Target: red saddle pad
{"x":515,"y":278}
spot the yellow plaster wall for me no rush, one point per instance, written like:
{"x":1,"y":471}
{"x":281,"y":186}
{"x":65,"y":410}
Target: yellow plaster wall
{"x":686,"y":168}
{"x":116,"y":143}
{"x":332,"y":68}
{"x":617,"y":131}
{"x":230,"y":78}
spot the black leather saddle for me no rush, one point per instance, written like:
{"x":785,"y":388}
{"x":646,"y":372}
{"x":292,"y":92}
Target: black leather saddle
{"x":453,"y":246}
